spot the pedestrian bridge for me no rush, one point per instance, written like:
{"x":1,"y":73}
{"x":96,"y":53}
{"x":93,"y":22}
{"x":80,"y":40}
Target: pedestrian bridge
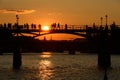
{"x":102,"y":33}
{"x":80,"y":30}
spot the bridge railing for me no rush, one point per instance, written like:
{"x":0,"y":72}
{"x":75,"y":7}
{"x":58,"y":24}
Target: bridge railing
{"x":60,"y":27}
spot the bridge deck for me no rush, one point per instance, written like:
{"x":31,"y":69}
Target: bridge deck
{"x":71,"y":29}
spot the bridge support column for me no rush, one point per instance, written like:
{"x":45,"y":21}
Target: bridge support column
{"x":72,"y":49}
{"x":17,"y":58}
{"x":104,"y":60}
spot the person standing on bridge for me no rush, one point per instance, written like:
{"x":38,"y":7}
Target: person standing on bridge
{"x":94,"y":26}
{"x":39,"y":26}
{"x":27,"y":26}
{"x":9,"y":26}
{"x":66,"y":26}
{"x":32,"y":25}
{"x":5,"y":25}
{"x":58,"y":25}
{"x":53,"y":26}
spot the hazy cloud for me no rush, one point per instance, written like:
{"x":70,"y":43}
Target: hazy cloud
{"x":13,"y":11}
{"x":0,"y":1}
{"x":51,"y":14}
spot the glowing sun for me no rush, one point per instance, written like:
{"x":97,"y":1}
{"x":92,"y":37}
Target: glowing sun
{"x":46,"y":28}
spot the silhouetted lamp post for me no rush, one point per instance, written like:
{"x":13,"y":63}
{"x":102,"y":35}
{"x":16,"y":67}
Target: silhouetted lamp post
{"x":17,"y":62}
{"x":17,"y":19}
{"x":106,"y":19}
{"x":101,"y":20}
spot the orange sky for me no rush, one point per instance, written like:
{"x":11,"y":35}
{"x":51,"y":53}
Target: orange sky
{"x":46,"y":12}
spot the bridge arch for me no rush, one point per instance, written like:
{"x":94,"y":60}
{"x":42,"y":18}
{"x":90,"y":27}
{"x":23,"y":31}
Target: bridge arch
{"x":75,"y":34}
{"x":37,"y":34}
{"x":59,"y":36}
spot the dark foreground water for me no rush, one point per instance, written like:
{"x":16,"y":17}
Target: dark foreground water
{"x":58,"y":66}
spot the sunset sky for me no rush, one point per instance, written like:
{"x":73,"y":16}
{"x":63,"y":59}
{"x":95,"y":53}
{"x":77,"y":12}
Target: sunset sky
{"x":63,"y":11}
{"x":45,"y":12}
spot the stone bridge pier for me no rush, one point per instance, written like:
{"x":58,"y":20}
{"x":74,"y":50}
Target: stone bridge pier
{"x":104,"y":58}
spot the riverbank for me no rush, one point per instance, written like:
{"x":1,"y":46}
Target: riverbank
{"x":29,"y":44}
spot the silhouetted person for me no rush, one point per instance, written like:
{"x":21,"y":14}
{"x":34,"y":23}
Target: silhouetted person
{"x":39,"y":26}
{"x":101,"y":28}
{"x":94,"y":26}
{"x":44,"y":38}
{"x":53,"y":26}
{"x":32,"y":26}
{"x":27,"y":26}
{"x":58,"y":25}
{"x":66,"y":26}
{"x":24,"y":26}
{"x":9,"y":26}
{"x":5,"y":26}
{"x":1,"y":26}
{"x":106,"y":27}
{"x":113,"y":26}
{"x":16,"y":26}
{"x":86,"y":27}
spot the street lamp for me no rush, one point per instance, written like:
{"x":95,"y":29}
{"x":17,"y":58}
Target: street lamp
{"x":17,"y":19}
{"x":101,"y":20}
{"x":106,"y":19}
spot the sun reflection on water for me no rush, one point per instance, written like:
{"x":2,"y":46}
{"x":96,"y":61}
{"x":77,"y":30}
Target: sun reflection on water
{"x":46,"y":55}
{"x":45,"y":66}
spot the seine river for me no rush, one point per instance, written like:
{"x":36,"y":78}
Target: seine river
{"x":58,"y":66}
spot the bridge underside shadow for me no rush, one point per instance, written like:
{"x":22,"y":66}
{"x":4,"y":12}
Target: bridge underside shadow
{"x":81,"y":34}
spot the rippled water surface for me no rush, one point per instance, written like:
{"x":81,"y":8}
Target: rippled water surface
{"x":58,"y":66}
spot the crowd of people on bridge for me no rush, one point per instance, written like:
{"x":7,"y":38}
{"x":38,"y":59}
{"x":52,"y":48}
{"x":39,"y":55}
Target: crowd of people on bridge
{"x":16,"y":26}
{"x":31,"y":26}
{"x":57,"y":26}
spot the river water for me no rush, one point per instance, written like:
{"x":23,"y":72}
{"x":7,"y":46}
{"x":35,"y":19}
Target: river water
{"x":58,"y":66}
